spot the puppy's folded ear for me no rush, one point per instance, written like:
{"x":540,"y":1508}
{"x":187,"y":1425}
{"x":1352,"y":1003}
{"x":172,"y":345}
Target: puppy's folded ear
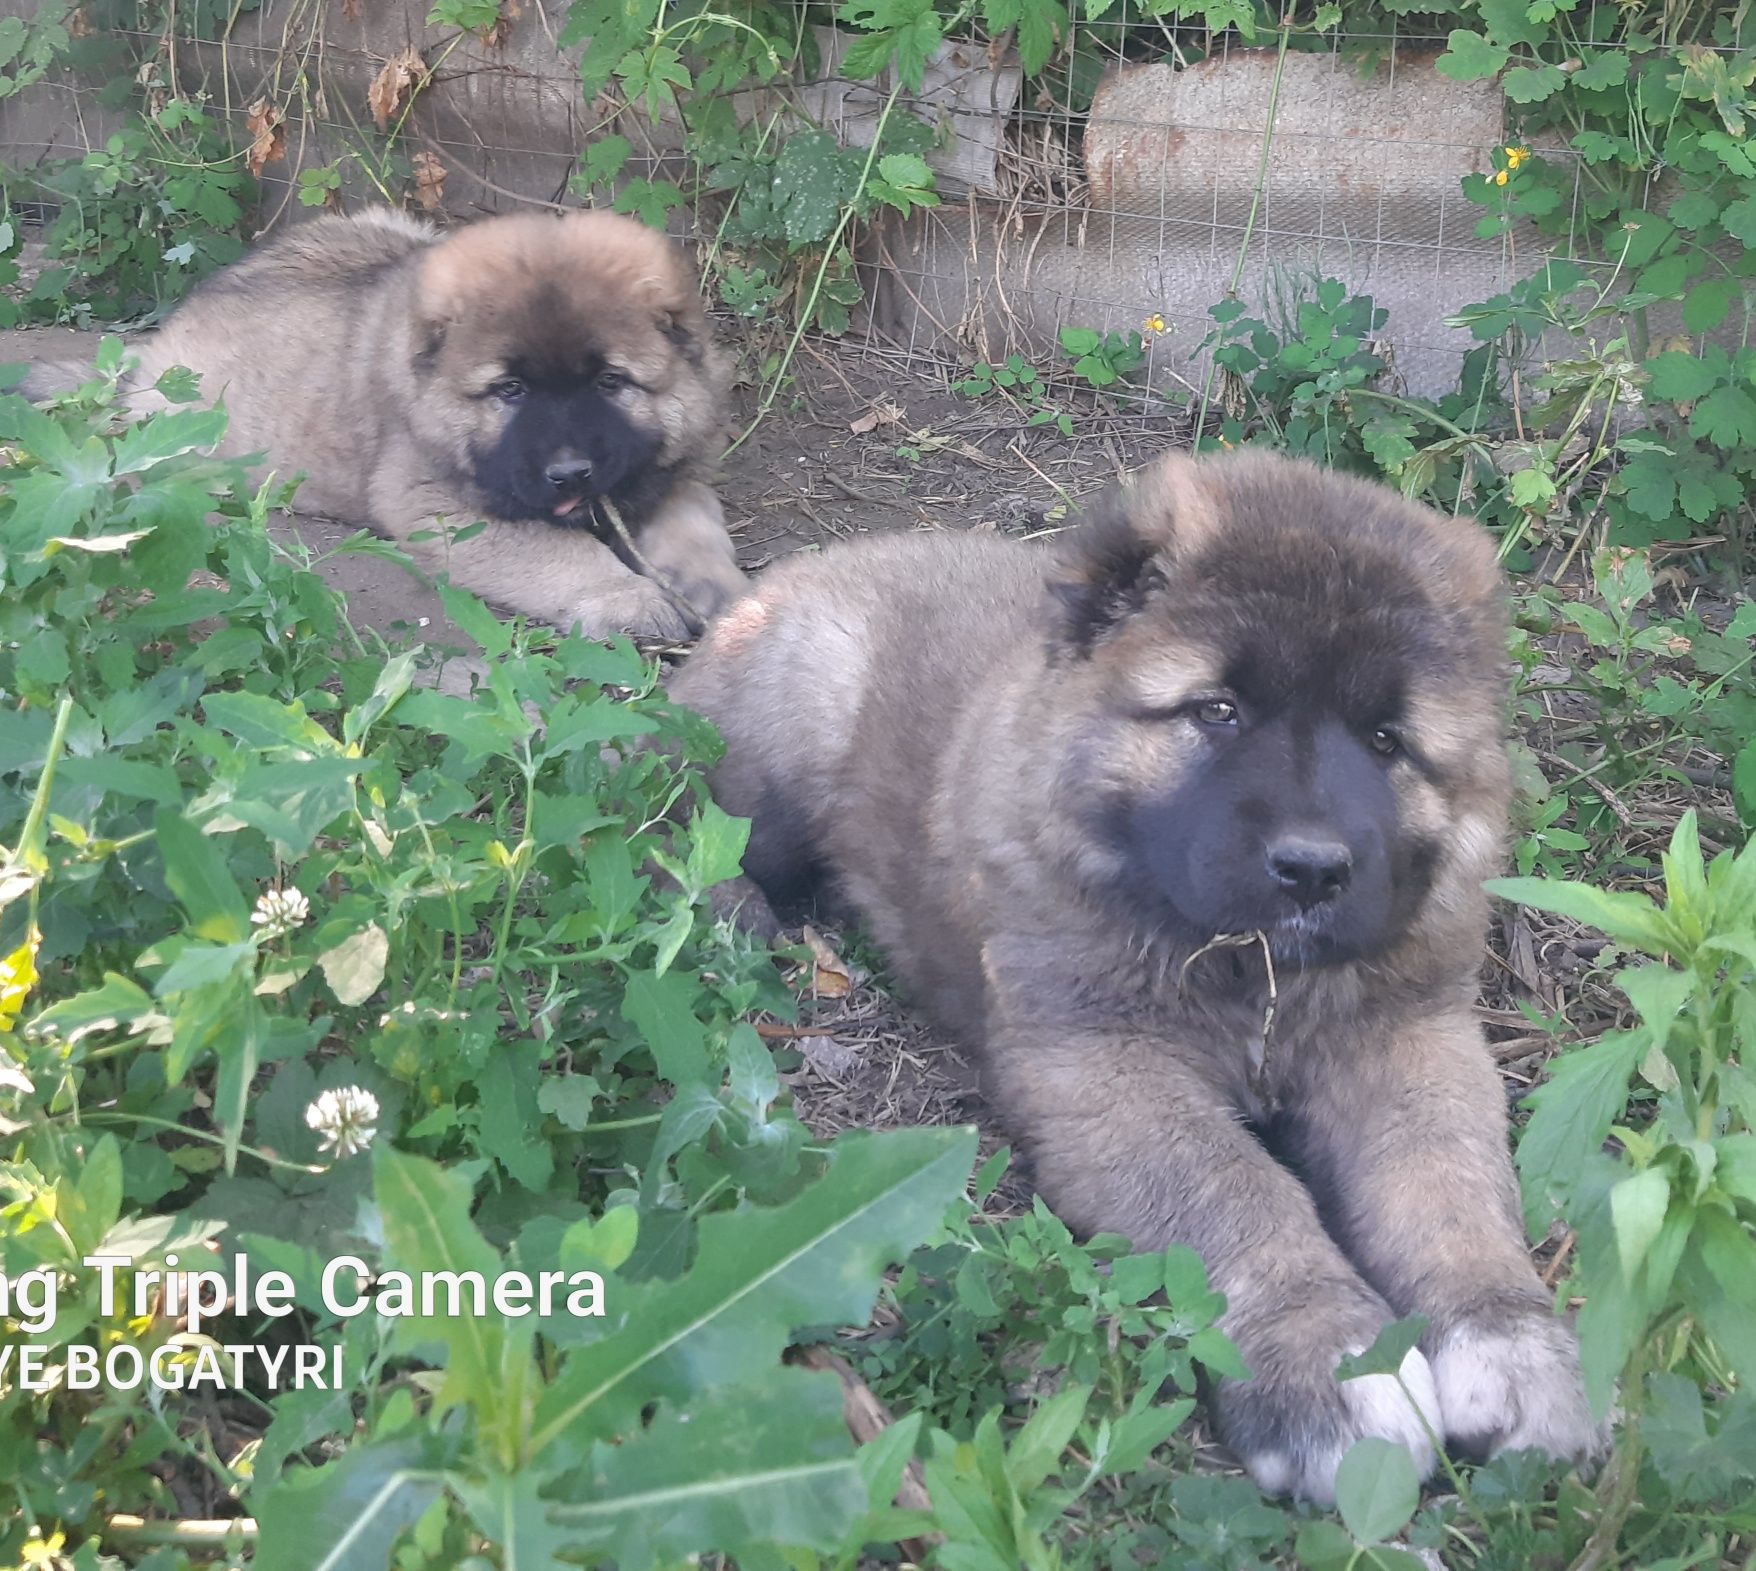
{"x":441,"y":287}
{"x":1126,"y":549}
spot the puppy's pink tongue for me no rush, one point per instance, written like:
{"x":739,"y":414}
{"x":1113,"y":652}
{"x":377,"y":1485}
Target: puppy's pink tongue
{"x":566,"y":507}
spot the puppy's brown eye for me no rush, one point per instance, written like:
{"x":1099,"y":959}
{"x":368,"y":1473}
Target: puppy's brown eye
{"x":1217,"y":712}
{"x":1386,"y":743}
{"x":509,"y":390}
{"x":611,"y":381}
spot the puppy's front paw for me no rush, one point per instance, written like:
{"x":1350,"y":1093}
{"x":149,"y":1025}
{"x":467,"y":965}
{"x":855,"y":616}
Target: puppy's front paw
{"x":635,"y":606}
{"x":1513,"y":1383}
{"x":741,"y":902}
{"x":1291,"y":1432}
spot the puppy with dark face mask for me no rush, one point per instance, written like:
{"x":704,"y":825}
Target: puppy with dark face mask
{"x":529,"y":373}
{"x":1181,"y":826}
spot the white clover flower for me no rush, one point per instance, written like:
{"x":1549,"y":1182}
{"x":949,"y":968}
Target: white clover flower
{"x":345,"y":1118}
{"x":279,"y":911}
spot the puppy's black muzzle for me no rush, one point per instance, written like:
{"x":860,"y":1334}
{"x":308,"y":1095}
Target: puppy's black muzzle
{"x":571,"y":479}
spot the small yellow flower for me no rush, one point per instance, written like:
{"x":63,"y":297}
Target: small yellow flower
{"x":1500,"y":177}
{"x":1153,"y":325}
{"x":1515,"y":156}
{"x":18,"y":975}
{"x":40,"y":1551}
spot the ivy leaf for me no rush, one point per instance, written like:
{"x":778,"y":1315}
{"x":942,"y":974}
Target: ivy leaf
{"x":812,"y":182}
{"x":1469,"y":57}
{"x":1604,"y":68}
{"x":1679,"y":377}
{"x":1510,"y":21}
{"x":1041,"y":25}
{"x":1649,"y":487}
{"x":900,"y":35}
{"x":1532,"y":84}
{"x":654,"y":77}
{"x":651,"y":201}
{"x":1739,"y":220}
{"x":604,"y":159}
{"x":1706,"y":305}
{"x":904,"y":182}
{"x":1726,"y":418}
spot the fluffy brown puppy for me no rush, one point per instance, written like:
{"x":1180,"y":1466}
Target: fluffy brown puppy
{"x":523,"y":370}
{"x":1249,"y":698}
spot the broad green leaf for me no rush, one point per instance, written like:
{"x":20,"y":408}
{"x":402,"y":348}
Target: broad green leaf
{"x":393,"y":681}
{"x":768,"y":1462}
{"x":116,"y":1001}
{"x":354,"y":968}
{"x":167,"y":436}
{"x":427,"y":1227}
{"x":1531,"y":84}
{"x":261,"y":722}
{"x":348,"y":1515}
{"x":1036,"y":1450}
{"x":1571,"y":1113}
{"x":758,"y":1275}
{"x":885,"y":1457}
{"x":196,"y":870}
{"x":508,"y":1121}
{"x":1629,"y":918}
{"x":89,"y":1203}
{"x":662,"y":1010}
{"x":1376,"y":1489}
{"x":1637,"y":1207}
{"x":1744,"y":784}
{"x":514,"y":1518}
{"x":474,"y":618}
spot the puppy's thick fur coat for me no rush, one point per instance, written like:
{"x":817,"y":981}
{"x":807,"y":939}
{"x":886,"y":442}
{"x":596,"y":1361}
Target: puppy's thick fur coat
{"x":1250,"y":701}
{"x":520,"y":371}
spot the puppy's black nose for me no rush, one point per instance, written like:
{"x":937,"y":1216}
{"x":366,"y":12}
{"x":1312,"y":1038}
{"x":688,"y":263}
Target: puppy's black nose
{"x":1308,"y":869}
{"x":570,"y":474}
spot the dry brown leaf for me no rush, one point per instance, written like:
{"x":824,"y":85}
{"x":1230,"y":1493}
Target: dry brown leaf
{"x":402,"y":73}
{"x":881,"y":413}
{"x":831,"y":977}
{"x":351,"y":9}
{"x":265,"y":122}
{"x":79,"y":23}
{"x":429,"y":182}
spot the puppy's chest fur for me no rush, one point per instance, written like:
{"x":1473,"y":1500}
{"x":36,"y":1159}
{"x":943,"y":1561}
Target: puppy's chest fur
{"x":1255,"y":1043}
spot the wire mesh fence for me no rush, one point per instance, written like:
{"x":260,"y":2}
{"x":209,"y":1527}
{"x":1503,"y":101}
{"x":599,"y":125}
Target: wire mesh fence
{"x":1128,"y":205}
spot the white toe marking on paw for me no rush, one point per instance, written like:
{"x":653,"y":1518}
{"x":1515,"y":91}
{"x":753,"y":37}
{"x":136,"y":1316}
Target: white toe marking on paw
{"x":1516,"y":1391}
{"x":1375,"y":1405}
